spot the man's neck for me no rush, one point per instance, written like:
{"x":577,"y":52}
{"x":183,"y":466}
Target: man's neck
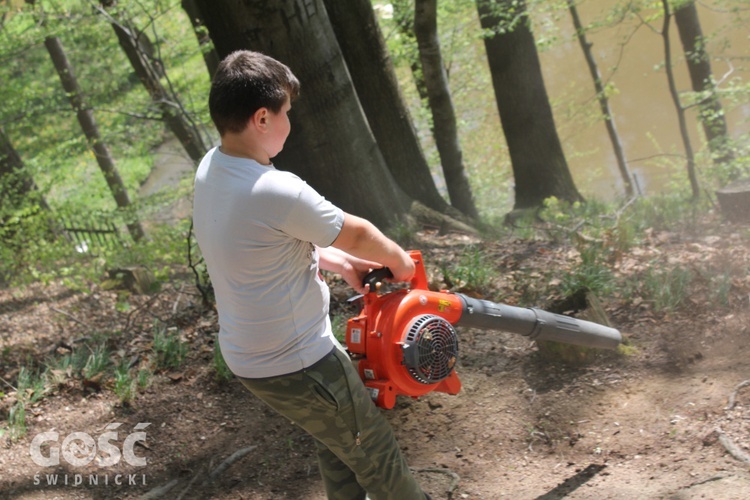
{"x":238,"y":146}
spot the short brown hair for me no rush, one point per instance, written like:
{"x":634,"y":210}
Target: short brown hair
{"x":245,"y":82}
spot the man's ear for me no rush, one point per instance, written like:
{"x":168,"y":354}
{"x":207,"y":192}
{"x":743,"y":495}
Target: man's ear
{"x":259,"y":120}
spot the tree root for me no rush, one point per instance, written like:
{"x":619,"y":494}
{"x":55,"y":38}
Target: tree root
{"x":725,"y":440}
{"x":454,"y":477}
{"x":733,"y":396}
{"x":229,"y":461}
{"x":161,"y":491}
{"x":732,"y":448}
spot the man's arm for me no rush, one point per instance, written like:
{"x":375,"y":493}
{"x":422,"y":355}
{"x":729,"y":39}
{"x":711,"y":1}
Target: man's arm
{"x":360,"y":238}
{"x":352,"y":269}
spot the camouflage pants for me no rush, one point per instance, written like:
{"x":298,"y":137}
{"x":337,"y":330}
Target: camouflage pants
{"x":357,"y":450}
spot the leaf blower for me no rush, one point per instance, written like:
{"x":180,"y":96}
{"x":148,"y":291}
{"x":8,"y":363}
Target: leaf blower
{"x":406,"y":340}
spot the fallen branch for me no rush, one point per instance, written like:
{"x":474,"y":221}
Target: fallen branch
{"x":70,"y":316}
{"x":8,"y":384}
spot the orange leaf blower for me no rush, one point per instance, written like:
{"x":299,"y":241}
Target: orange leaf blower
{"x":406,"y":340}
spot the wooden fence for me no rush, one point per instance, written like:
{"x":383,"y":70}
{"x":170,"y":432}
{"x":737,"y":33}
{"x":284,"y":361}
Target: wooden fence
{"x":90,"y":232}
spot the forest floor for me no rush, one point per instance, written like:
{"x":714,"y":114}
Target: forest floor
{"x":653,"y":421}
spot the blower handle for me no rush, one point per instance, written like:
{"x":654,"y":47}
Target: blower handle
{"x":418,"y":281}
{"x":375,"y":278}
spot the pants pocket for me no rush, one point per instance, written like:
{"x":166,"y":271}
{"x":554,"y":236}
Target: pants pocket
{"x":322,"y":393}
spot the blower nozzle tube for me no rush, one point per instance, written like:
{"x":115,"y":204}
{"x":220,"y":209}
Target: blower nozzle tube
{"x":536,"y":324}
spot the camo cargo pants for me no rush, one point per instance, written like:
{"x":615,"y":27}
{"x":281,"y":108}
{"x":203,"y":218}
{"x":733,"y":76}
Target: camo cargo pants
{"x":357,"y":450}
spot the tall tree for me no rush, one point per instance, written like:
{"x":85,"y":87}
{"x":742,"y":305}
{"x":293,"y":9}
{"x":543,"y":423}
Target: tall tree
{"x":91,"y":131}
{"x":370,"y":66}
{"x":444,"y":126}
{"x":331,"y":145}
{"x":210,"y":56}
{"x":601,"y":97}
{"x":150,"y":69}
{"x":539,"y":166}
{"x":689,"y":155}
{"x":403,"y":13}
{"x":711,"y":114}
{"x":15,"y":182}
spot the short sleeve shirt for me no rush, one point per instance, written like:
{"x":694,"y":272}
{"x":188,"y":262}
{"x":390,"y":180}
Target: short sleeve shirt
{"x":258,"y":229}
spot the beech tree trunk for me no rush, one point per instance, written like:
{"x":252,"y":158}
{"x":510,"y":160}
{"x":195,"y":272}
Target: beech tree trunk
{"x":539,"y":166}
{"x":689,"y":156}
{"x":444,"y":126}
{"x":210,"y":56}
{"x":15,"y":183}
{"x":149,"y":73}
{"x":331,"y":145}
{"x":601,"y":97}
{"x":370,"y":66}
{"x":403,"y":13}
{"x":88,"y":124}
{"x":711,"y":113}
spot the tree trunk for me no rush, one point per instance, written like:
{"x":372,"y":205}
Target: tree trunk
{"x":443,"y":114}
{"x":690,"y":157}
{"x":403,"y":13}
{"x":601,"y":96}
{"x":539,"y":166}
{"x":91,"y":131}
{"x":374,"y":78}
{"x":173,"y":113}
{"x":711,"y":113}
{"x":15,"y":183}
{"x":210,"y":56}
{"x":331,"y":145}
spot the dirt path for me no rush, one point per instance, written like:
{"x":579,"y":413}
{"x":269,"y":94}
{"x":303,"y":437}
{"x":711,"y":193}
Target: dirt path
{"x":641,"y":425}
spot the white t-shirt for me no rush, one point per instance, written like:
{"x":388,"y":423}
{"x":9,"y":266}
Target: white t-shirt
{"x":258,"y":228}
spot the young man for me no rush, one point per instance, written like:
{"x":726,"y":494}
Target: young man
{"x":265,"y":234}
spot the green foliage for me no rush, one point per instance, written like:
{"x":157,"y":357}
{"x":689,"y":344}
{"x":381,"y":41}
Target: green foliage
{"x":472,"y":271}
{"x":169,"y":351}
{"x":338,"y":325}
{"x":593,"y":273}
{"x":125,"y":386}
{"x":667,"y":288}
{"x":16,"y":424}
{"x":31,"y":386}
{"x":222,"y":371}
{"x":97,"y":362}
{"x":143,"y":378}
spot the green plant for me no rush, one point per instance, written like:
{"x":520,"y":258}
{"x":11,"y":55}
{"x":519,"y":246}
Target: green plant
{"x":61,"y":368}
{"x":143,"y":379}
{"x":169,"y":351}
{"x":338,"y":325}
{"x":124,"y":383}
{"x":32,"y":385}
{"x":223,"y":373}
{"x":666,"y":289}
{"x":593,"y":273}
{"x":720,"y":288}
{"x":472,"y":271}
{"x":17,"y":421}
{"x":97,"y":363}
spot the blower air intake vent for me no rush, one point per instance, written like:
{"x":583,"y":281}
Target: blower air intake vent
{"x":430,"y":349}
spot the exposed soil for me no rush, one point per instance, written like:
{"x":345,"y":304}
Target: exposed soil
{"x":652,"y":422}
